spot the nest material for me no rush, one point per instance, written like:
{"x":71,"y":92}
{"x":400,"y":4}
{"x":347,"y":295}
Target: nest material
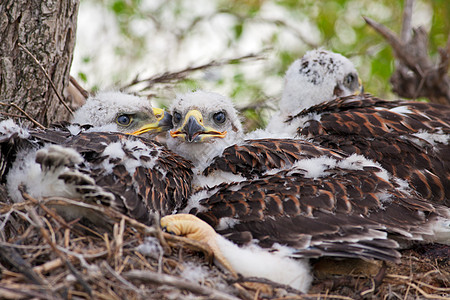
{"x":43,"y":256}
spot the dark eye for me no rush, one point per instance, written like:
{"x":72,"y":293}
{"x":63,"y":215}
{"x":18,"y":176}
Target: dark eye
{"x":176,"y":117}
{"x":123,"y":120}
{"x":219,"y":117}
{"x":349,"y":79}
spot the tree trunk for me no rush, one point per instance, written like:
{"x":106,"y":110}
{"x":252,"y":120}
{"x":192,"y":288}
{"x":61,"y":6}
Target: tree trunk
{"x":46,"y":30}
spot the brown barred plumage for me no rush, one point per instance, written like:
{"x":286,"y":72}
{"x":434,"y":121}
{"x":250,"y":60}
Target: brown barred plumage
{"x":346,"y":213}
{"x":390,"y":133}
{"x":254,"y":157}
{"x":163,"y":186}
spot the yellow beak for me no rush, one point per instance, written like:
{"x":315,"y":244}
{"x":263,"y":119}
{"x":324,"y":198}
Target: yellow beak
{"x":163,"y":123}
{"x":360,"y":89}
{"x":194,"y":130}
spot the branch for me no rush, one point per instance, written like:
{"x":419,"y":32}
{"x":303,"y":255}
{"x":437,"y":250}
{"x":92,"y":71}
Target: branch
{"x":445,"y":58}
{"x":150,"y":276}
{"x":178,"y":75}
{"x":406,"y":24}
{"x":26,"y":115}
{"x":398,"y":47}
{"x":427,"y":79}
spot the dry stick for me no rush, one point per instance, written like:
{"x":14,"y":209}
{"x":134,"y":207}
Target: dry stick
{"x":156,"y":230}
{"x":101,"y":209}
{"x":51,"y":265}
{"x":397,"y":45}
{"x":160,"y":234}
{"x":128,"y":284}
{"x":82,"y":91}
{"x":15,"y":206}
{"x":13,"y":257}
{"x":11,"y":115}
{"x":24,"y":292}
{"x":316,"y":296}
{"x":425,"y":294}
{"x":163,"y":238}
{"x":406,"y":24}
{"x":48,"y":78}
{"x":439,"y":289}
{"x":52,"y":213}
{"x":445,"y":59}
{"x":150,"y":276}
{"x":170,"y":76}
{"x":401,"y":52}
{"x":26,"y":115}
{"x":45,"y":235}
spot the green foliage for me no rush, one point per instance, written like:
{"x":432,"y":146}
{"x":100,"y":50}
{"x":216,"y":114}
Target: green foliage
{"x":82,"y":76}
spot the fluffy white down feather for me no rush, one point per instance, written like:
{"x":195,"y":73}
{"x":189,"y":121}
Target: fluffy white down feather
{"x":9,"y":127}
{"x":309,"y":81}
{"x":253,"y":261}
{"x":37,"y":182}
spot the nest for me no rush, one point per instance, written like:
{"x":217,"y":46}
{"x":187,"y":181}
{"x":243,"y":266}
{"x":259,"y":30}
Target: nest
{"x":44,"y":256}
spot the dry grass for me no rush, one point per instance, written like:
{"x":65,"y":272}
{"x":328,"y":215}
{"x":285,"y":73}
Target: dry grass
{"x":43,"y":256}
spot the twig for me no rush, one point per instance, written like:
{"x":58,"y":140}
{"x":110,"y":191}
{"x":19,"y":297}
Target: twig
{"x":316,"y":296}
{"x":109,"y":212}
{"x":118,"y":232}
{"x":177,"y":75}
{"x":432,"y":286}
{"x":22,"y":111}
{"x":11,"y":115}
{"x":82,"y":91}
{"x":427,"y":79}
{"x":150,"y":276}
{"x":371,"y":290}
{"x":392,"y":39}
{"x":50,"y":265}
{"x":48,"y":78}
{"x":425,"y":294}
{"x":125,"y":282}
{"x":406,"y":24}
{"x":15,"y":206}
{"x":55,"y":248}
{"x":445,"y":59}
{"x":10,"y":255}
{"x":160,"y":234}
{"x":24,"y":292}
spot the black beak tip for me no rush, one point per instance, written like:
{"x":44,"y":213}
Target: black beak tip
{"x":166,"y":122}
{"x":192,"y":128}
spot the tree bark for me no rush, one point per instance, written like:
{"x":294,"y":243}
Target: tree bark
{"x":36,"y":37}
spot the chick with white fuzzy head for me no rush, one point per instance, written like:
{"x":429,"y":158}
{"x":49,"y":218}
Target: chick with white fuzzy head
{"x":119,"y":112}
{"x":317,"y":77}
{"x":106,"y":111}
{"x":204,"y":124}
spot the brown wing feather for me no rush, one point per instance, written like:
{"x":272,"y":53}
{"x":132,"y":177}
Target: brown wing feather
{"x":347,"y":213}
{"x":165,"y":187}
{"x":368,"y":126}
{"x":254,"y":157}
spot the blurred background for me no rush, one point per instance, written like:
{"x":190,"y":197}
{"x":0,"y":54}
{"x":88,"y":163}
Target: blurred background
{"x":238,"y":48}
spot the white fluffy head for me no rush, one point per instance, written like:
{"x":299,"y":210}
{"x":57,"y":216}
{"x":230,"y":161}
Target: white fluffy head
{"x":317,"y":77}
{"x":203,"y":147}
{"x":114,"y":110}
